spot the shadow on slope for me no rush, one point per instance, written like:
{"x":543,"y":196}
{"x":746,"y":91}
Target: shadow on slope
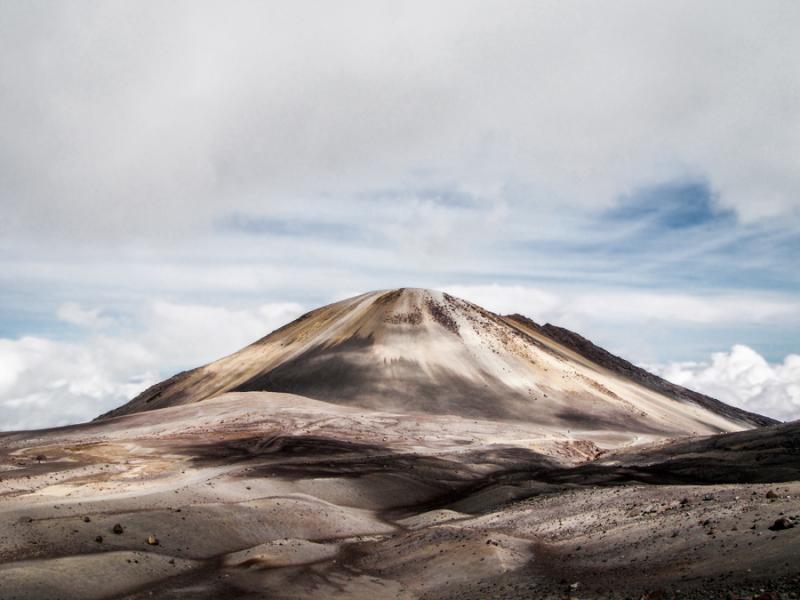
{"x":447,"y":477}
{"x":765,"y":455}
{"x":348,"y":373}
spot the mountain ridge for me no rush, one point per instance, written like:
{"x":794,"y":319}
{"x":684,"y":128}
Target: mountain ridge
{"x":417,"y":350}
{"x":603,"y":357}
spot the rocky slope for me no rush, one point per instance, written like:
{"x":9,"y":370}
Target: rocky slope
{"x":622,"y":367}
{"x":421,"y":351}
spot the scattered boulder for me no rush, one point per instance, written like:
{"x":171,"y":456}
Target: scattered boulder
{"x":152,"y":540}
{"x":117,"y":529}
{"x":99,"y":539}
{"x":771,"y":495}
{"x":86,"y":519}
{"x":781,"y":524}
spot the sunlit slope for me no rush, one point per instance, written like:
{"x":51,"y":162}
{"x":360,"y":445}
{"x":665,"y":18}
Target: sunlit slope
{"x":415,"y":350}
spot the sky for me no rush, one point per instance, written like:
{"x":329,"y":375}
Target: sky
{"x":179,"y":178}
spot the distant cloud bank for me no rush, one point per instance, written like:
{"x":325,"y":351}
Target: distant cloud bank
{"x":46,"y":382}
{"x":743,"y":377}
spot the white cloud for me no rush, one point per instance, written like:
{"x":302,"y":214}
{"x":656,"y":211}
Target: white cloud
{"x":507,"y":299}
{"x":743,"y":377}
{"x":154,"y":119}
{"x":186,"y":334}
{"x":72,"y":312}
{"x":716,"y":308}
{"x":45,"y":382}
{"x":628,"y":306}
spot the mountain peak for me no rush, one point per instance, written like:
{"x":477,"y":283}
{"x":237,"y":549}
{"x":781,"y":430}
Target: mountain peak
{"x":424,"y":351}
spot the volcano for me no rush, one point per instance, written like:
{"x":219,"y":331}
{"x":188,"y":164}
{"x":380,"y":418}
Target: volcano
{"x":424,"y":351}
{"x":406,"y":444}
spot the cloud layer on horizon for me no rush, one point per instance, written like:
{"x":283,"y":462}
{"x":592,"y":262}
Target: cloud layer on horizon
{"x":46,"y":382}
{"x":743,"y":378}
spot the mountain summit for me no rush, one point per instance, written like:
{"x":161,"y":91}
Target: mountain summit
{"x":424,"y":351}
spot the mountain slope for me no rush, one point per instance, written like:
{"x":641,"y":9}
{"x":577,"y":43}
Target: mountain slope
{"x":413,"y":350}
{"x":622,"y":367}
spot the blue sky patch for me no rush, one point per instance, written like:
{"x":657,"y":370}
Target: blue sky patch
{"x":677,"y":205}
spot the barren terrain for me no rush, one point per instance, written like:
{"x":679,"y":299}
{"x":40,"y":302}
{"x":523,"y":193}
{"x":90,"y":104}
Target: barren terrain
{"x":420,"y":479}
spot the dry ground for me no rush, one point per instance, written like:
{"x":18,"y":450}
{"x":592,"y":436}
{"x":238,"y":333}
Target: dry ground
{"x":263,"y":495}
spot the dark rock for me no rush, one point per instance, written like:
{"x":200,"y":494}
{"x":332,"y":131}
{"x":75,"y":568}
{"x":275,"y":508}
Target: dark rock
{"x":117,"y":529}
{"x":99,"y":539}
{"x":781,"y":524}
{"x":771,"y":495}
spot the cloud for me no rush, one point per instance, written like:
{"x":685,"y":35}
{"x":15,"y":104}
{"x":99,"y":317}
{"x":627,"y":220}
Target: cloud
{"x":185,"y":334}
{"x":46,"y":382}
{"x":628,"y":306}
{"x":743,"y":377}
{"x":71,"y":312}
{"x":136,"y":121}
{"x":631,"y":306}
{"x":267,"y":152}
{"x":507,"y":299}
{"x":623,"y":170}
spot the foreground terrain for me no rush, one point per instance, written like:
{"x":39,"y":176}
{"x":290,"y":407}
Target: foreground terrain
{"x":266,"y":495}
{"x":406,"y":444}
